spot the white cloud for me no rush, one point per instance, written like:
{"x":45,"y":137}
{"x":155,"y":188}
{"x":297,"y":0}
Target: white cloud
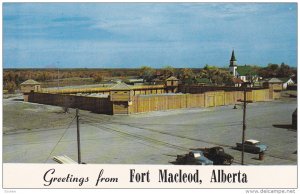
{"x":141,"y":31}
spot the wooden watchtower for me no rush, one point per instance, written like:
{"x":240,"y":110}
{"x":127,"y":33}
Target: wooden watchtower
{"x":275,"y":86}
{"x":172,"y":84}
{"x":121,"y":96}
{"x":29,"y":86}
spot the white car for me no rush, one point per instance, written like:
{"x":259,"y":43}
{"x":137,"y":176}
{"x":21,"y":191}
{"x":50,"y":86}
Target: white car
{"x":252,"y":145}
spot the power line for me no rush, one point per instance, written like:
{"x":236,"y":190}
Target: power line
{"x":174,"y":135}
{"x":138,"y":137}
{"x":60,"y":138}
{"x":229,"y":124}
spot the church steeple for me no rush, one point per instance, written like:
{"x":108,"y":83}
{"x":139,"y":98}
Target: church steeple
{"x":233,"y":66}
{"x":232,"y":60}
{"x":232,"y":56}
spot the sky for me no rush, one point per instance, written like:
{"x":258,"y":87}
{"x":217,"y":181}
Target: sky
{"x":131,"y":35}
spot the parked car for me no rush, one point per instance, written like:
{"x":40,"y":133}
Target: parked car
{"x":252,"y":146}
{"x":193,"y":158}
{"x":218,"y":156}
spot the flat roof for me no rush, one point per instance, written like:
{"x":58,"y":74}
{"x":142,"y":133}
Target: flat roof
{"x":252,"y":141}
{"x":162,"y":94}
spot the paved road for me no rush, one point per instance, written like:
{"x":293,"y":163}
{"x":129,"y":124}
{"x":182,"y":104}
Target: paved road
{"x":157,"y":137}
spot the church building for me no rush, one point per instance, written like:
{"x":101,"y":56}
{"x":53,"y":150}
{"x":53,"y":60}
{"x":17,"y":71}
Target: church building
{"x":243,"y":72}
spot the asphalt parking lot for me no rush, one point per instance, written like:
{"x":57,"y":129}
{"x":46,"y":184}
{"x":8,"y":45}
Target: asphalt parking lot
{"x":156,"y":137}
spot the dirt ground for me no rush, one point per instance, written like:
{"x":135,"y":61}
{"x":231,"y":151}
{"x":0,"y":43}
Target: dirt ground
{"x":20,"y":116}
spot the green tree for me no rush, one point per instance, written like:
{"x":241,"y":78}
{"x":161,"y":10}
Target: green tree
{"x":146,"y":73}
{"x":274,"y":70}
{"x":273,"y":67}
{"x":284,"y":71}
{"x":187,"y":76}
{"x":215,"y":75}
{"x":186,"y":73}
{"x":11,"y":87}
{"x":98,"y":78}
{"x":168,"y":71}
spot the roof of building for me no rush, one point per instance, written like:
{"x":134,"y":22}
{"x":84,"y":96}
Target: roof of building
{"x":252,"y":141}
{"x":30,"y":82}
{"x":172,"y":78}
{"x":134,"y":80}
{"x":64,"y":160}
{"x":285,"y":79}
{"x":245,"y":70}
{"x":237,"y":80}
{"x":157,"y":79}
{"x":121,"y":86}
{"x":274,"y":80}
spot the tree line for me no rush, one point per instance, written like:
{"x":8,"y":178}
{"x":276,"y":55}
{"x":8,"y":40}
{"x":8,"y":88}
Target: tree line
{"x":215,"y":75}
{"x":12,"y":78}
{"x":276,"y":70}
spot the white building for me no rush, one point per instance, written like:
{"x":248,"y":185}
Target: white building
{"x":245,"y":72}
{"x":286,"y":82}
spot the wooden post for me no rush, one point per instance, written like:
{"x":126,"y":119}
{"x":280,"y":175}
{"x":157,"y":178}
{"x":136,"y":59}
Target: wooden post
{"x":58,"y":78}
{"x":78,"y":137}
{"x":245,"y":101}
{"x":244,"y":125}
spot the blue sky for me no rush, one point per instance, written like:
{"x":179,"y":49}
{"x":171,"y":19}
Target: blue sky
{"x":117,"y":35}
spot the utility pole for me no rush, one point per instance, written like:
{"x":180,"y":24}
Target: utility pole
{"x":245,"y":101}
{"x":57,"y":75}
{"x":58,"y":78}
{"x":78,"y":136}
{"x":244,"y":124}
